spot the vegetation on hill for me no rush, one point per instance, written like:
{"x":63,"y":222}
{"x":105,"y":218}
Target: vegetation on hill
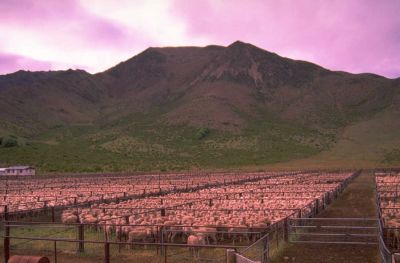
{"x":8,"y":141}
{"x":135,"y":143}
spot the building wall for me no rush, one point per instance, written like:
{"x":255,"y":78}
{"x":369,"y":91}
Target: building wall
{"x":21,"y":172}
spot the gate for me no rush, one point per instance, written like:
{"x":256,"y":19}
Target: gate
{"x":362,"y":231}
{"x":258,"y":252}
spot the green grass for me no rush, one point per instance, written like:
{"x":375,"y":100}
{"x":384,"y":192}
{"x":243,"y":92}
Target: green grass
{"x":366,"y":144}
{"x":141,"y":143}
{"x":392,"y":156}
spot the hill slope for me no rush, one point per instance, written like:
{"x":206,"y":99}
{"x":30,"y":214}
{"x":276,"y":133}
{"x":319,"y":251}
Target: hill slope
{"x":185,"y":107}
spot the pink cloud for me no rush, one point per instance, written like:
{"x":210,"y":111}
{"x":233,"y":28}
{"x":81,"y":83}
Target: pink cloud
{"x":11,"y":63}
{"x":63,"y":16}
{"x":355,"y":35}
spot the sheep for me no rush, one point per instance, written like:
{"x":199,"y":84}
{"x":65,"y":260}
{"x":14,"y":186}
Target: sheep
{"x":193,"y":241}
{"x":209,"y":234}
{"x":138,"y":234}
{"x":69,"y":219}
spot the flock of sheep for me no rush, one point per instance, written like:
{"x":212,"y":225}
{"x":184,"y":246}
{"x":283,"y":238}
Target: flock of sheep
{"x":26,"y":194}
{"x":234,"y":212}
{"x":388,"y":190}
{"x":193,"y":209}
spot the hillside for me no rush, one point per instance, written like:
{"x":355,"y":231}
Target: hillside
{"x":191,"y":107}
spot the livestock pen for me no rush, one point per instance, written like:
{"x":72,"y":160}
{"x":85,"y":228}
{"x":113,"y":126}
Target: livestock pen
{"x":388,"y":205}
{"x":248,"y":212}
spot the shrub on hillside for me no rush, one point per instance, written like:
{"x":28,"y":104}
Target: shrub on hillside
{"x":9,"y":142}
{"x":202,"y":133}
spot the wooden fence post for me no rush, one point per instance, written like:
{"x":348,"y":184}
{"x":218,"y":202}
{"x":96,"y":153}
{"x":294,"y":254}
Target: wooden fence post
{"x":286,"y":229}
{"x":328,"y":197}
{"x":230,"y":256}
{"x":165,"y":254}
{"x":55,"y":251}
{"x":5,"y":213}
{"x":81,"y":235}
{"x":53,"y":218}
{"x":299,"y":222}
{"x":6,"y":242}
{"x":106,"y":252}
{"x":265,"y":255}
{"x":277,"y":234}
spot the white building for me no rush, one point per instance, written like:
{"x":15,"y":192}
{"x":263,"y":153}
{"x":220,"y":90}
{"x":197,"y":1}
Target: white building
{"x":18,"y":170}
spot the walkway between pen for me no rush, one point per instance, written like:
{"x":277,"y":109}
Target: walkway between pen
{"x":356,"y":201}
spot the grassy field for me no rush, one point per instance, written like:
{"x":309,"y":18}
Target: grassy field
{"x":141,"y":144}
{"x":366,"y":144}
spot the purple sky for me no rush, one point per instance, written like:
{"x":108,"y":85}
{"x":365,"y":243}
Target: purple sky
{"x":350,"y":35}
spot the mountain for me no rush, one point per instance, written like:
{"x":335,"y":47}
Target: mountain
{"x":184,"y":107}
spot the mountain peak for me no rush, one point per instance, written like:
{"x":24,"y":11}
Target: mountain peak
{"x":239,"y":43}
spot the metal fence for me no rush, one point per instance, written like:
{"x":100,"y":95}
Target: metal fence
{"x":58,"y":241}
{"x":257,"y":252}
{"x":354,"y":231}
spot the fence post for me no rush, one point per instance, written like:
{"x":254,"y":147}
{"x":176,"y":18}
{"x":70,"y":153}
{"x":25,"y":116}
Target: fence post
{"x":316,"y":206}
{"x":162,"y":240}
{"x":81,"y":234}
{"x":265,"y":254}
{"x":106,"y":252}
{"x":299,"y":215}
{"x":6,"y":242}
{"x":286,"y":229}
{"x":230,"y":256}
{"x":165,"y":254}
{"x":53,"y":219}
{"x":55,"y":251}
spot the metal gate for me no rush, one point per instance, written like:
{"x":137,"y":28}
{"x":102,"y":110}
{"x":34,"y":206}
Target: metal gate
{"x":353,"y":231}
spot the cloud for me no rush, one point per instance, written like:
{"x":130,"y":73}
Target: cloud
{"x":355,"y":36}
{"x":64,"y":33}
{"x":11,"y":63}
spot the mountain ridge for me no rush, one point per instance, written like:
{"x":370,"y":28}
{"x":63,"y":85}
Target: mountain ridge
{"x":239,"y":91}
